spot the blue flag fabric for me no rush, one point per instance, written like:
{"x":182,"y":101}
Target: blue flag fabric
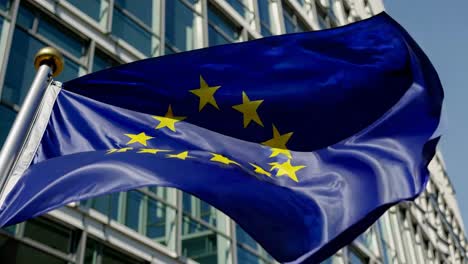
{"x":303,"y":139}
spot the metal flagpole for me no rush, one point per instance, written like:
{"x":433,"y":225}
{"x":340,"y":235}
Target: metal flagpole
{"x":48,"y":63}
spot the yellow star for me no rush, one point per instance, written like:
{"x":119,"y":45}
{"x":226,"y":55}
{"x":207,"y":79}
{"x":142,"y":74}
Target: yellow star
{"x":183,"y":155}
{"x":124,"y":149}
{"x":274,"y":165}
{"x":152,"y":150}
{"x":140,"y":138}
{"x":168,"y":120}
{"x":286,"y":168}
{"x":260,"y":170}
{"x":221,"y":159}
{"x":206,"y":94}
{"x":249,"y":109}
{"x":276,"y":151}
{"x":110,"y":151}
{"x":278,"y":143}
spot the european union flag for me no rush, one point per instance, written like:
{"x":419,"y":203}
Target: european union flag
{"x":303,"y":139}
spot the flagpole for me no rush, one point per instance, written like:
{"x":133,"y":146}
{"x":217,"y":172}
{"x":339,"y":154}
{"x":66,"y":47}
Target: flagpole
{"x":48,"y":63}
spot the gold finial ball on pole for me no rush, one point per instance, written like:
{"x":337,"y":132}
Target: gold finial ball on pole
{"x":51,"y":57}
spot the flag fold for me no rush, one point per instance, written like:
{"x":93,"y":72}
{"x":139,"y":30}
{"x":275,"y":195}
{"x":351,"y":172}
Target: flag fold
{"x":303,"y":139}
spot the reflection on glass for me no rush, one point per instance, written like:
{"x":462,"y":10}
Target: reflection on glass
{"x":221,"y":30}
{"x":156,"y":219}
{"x":5,"y":4}
{"x":143,"y":10}
{"x":25,"y":17}
{"x":8,"y":117}
{"x":132,"y":214}
{"x":201,"y":247}
{"x":107,"y":204}
{"x":19,"y":75}
{"x":239,"y":6}
{"x":244,"y":256}
{"x":292,"y":23}
{"x":243,"y":237}
{"x":199,"y":209}
{"x":102,"y":61}
{"x":62,"y":37}
{"x":51,"y":234}
{"x":126,"y":29}
{"x":354,"y":257}
{"x":264,"y":13}
{"x":179,"y":25}
{"x":97,"y":253}
{"x":70,"y":70}
{"x":92,"y":8}
{"x":13,"y":251}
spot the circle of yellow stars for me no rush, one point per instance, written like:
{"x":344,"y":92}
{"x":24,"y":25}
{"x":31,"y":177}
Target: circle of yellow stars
{"x":248,"y":108}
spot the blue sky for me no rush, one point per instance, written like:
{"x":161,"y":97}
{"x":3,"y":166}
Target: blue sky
{"x":441,"y":29}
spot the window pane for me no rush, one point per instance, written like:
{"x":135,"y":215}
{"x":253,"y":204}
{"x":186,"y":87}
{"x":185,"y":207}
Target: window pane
{"x":244,"y":256}
{"x":6,"y":121}
{"x":199,"y":209}
{"x":290,"y":19}
{"x":95,"y":250}
{"x":355,"y":258}
{"x":207,"y":213}
{"x":156,"y":222}
{"x":5,"y":4}
{"x":106,"y":204}
{"x":126,"y":29}
{"x":322,"y":16}
{"x":110,"y":256}
{"x":13,"y":251}
{"x":239,"y":6}
{"x":215,"y":38}
{"x":143,"y":10}
{"x":264,"y":13}
{"x":168,"y":50}
{"x":292,"y":22}
{"x":10,"y":229}
{"x":289,"y":26}
{"x":301,"y":27}
{"x":70,"y":70}
{"x":132,"y":214}
{"x":20,"y":70}
{"x":25,"y":17}
{"x":221,"y":30}
{"x":49,"y":233}
{"x":62,"y":37}
{"x":160,"y":218}
{"x":91,"y":252}
{"x":179,"y":25}
{"x":328,"y":260}
{"x":243,"y":237}
{"x":102,"y":61}
{"x":223,"y":23}
{"x":92,"y":8}
{"x":161,"y":192}
{"x":201,"y":247}
{"x":190,"y":226}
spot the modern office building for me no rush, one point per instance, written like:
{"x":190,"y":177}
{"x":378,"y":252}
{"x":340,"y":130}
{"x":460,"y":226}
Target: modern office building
{"x":163,"y":225}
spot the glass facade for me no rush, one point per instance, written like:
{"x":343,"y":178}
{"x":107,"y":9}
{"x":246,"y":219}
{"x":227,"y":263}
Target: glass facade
{"x":221,"y":30}
{"x":264,"y":13}
{"x":180,"y":23}
{"x":154,"y":224}
{"x":292,"y":23}
{"x":137,"y":24}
